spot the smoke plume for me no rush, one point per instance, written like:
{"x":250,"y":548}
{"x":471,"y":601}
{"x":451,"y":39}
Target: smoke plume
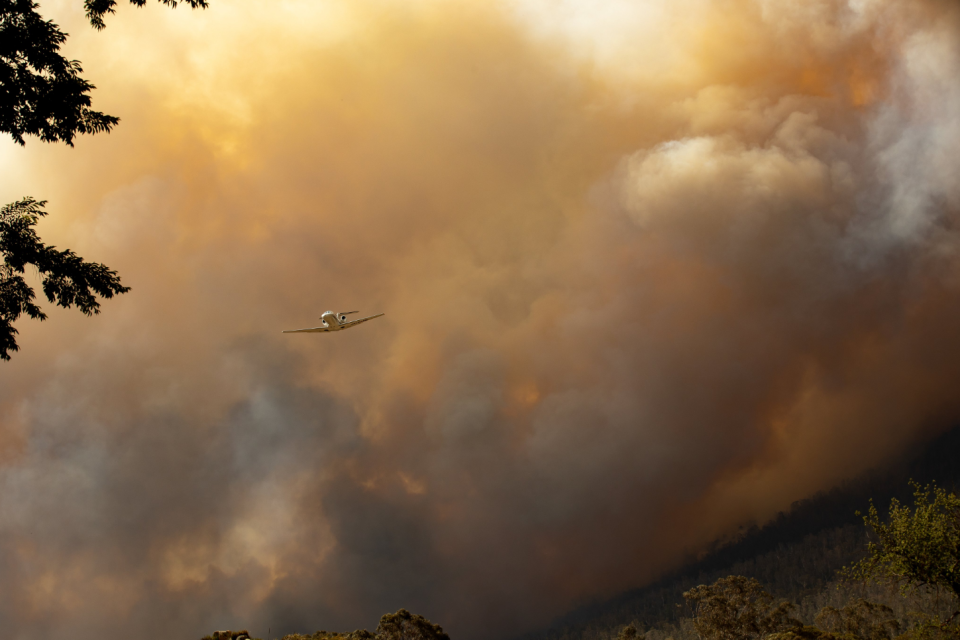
{"x":650,"y":270}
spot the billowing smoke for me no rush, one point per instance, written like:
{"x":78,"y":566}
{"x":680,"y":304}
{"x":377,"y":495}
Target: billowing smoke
{"x":650,"y":270}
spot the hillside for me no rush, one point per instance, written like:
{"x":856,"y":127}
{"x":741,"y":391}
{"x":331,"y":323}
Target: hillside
{"x":795,"y":556}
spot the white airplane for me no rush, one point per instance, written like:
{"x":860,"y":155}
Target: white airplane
{"x":334,"y":322}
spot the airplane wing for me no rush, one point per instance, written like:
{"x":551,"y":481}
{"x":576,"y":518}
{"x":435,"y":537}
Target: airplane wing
{"x":353,"y":322}
{"x":314,"y":330}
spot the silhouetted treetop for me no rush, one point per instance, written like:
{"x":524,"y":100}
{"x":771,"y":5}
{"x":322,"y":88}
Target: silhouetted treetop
{"x":66,"y":278}
{"x":43,"y":95}
{"x":41,"y":92}
{"x":404,"y":625}
{"x":96,"y":9}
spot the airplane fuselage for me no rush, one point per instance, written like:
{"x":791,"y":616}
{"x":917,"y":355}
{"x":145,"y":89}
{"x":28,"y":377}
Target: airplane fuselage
{"x":332,"y":321}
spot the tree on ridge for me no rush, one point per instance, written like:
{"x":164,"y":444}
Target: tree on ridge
{"x":918,"y":550}
{"x":737,"y":608}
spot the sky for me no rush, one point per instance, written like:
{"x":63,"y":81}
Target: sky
{"x":651,"y":270}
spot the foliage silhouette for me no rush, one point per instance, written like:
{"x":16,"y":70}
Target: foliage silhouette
{"x":96,"y":9}
{"x":404,"y":625}
{"x":67,"y":280}
{"x":42,"y":94}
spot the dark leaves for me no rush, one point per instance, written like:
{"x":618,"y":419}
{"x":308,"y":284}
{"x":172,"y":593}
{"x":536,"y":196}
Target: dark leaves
{"x":96,"y":9}
{"x":41,"y":92}
{"x":43,"y":95}
{"x":66,"y":278}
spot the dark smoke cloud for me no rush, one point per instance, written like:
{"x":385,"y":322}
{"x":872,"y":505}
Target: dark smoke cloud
{"x":635,"y":294}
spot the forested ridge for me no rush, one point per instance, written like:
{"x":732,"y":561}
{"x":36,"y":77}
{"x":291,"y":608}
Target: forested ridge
{"x":796,"y":556}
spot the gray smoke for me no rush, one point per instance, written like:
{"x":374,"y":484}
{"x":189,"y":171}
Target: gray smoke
{"x":629,"y":307}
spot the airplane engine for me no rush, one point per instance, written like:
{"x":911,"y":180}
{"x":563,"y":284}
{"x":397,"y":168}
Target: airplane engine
{"x":343,"y":318}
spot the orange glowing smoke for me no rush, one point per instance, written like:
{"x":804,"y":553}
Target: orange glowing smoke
{"x":649,"y":270}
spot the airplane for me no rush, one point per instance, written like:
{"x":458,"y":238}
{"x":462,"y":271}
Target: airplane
{"x":334,"y":322}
